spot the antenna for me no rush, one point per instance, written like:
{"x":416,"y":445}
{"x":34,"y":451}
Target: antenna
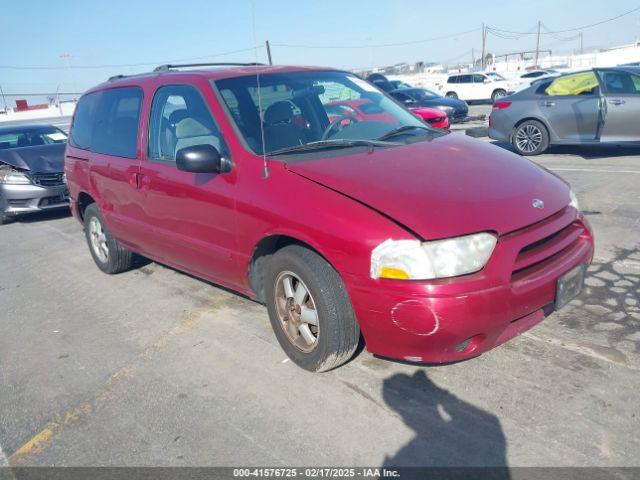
{"x":265,"y":167}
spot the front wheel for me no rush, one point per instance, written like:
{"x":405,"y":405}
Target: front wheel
{"x":109,"y":255}
{"x":453,"y":95}
{"x":530,"y":138}
{"x":309,"y":309}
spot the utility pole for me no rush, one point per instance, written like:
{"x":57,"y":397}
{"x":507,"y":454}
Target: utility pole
{"x":581,"y":43}
{"x":473,"y":59}
{"x":269,"y":52}
{"x":67,"y":60}
{"x":4,"y":100}
{"x":484,"y":47}
{"x":538,"y":44}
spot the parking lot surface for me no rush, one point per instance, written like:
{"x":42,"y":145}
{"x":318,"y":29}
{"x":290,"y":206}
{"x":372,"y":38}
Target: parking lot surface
{"x":154,"y":367}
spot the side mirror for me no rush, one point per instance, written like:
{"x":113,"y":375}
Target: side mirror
{"x":487,"y":80}
{"x":200,"y":159}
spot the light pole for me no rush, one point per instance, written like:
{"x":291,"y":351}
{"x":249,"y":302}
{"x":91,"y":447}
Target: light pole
{"x":67,"y":59}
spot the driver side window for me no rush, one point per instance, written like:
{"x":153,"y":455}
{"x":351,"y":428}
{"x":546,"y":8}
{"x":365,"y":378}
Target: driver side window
{"x":180,"y":118}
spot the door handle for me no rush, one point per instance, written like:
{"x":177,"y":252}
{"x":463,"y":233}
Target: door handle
{"x":549,"y":103}
{"x":134,"y":180}
{"x":616,"y":101}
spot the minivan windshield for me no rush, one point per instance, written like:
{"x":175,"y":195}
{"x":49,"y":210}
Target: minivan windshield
{"x":307,"y":110}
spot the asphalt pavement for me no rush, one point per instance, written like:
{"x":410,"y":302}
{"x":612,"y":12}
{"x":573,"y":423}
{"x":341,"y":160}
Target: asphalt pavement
{"x":154,"y":367}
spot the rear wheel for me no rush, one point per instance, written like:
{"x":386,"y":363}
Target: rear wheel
{"x":309,"y":309}
{"x":109,"y":255}
{"x":530,"y":138}
{"x":498,"y":94}
{"x":451,"y":95}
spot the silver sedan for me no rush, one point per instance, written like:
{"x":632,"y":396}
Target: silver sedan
{"x":585,"y":108}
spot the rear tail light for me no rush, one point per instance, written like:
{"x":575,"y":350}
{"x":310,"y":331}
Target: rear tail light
{"x":501,"y":105}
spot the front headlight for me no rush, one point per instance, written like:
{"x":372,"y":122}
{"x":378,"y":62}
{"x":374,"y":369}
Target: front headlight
{"x":14,"y":178}
{"x":413,"y":260}
{"x":574,"y":200}
{"x":447,"y":110}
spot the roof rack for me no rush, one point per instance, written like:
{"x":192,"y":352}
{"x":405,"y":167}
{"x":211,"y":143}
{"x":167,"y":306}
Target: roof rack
{"x":170,"y":66}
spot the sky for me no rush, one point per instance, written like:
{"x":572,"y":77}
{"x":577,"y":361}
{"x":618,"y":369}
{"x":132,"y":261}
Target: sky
{"x":75,"y":33}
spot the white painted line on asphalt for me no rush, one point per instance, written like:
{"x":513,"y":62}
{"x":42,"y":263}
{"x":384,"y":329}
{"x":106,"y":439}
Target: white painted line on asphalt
{"x":594,"y":170}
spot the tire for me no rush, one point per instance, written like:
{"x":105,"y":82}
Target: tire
{"x":499,"y":93}
{"x":530,"y":138}
{"x":4,"y":218}
{"x":117,"y":258}
{"x":452,"y":95}
{"x":336,"y":331}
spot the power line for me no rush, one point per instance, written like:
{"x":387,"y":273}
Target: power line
{"x":125,"y":65}
{"x":583,"y":27}
{"x":397,"y":44}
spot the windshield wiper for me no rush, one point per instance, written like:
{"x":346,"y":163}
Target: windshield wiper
{"x":402,"y":129}
{"x":327,"y":144}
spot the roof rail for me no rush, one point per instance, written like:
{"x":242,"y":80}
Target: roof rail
{"x":116,"y":77}
{"x":170,"y":66}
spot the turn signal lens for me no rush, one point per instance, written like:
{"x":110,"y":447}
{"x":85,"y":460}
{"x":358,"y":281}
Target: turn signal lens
{"x":391,"y":272}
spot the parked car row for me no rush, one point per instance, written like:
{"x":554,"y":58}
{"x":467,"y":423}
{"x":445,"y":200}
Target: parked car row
{"x":592,"y":107}
{"x":433,"y":108}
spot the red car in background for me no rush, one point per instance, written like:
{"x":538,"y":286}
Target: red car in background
{"x":434,"y":117}
{"x":364,"y":109}
{"x":361,"y":109}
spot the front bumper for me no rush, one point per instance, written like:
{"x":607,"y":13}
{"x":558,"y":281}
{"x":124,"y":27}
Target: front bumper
{"x":453,"y":319}
{"x":22,"y":199}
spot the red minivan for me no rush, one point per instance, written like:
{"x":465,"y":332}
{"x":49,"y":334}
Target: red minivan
{"x":434,"y":246}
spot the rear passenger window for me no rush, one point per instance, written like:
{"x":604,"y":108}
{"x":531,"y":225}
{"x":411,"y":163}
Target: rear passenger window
{"x":180,"y":118}
{"x":107,"y":122}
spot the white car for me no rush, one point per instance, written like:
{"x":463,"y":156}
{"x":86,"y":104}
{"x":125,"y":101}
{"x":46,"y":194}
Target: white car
{"x":527,"y":79}
{"x":477,"y":86}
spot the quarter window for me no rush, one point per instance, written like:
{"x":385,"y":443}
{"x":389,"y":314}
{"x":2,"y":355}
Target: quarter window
{"x":180,"y":118}
{"x":107,"y":122}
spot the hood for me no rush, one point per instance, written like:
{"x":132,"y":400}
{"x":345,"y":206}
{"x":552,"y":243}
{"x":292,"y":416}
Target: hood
{"x":452,"y":185}
{"x":40,"y":159}
{"x":458,"y":105}
{"x":428,"y":111}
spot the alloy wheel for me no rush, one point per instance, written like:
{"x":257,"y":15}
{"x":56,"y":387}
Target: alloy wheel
{"x":297,"y":311}
{"x":528,"y":138}
{"x":98,"y":240}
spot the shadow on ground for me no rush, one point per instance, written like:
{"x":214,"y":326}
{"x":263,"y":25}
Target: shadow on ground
{"x":43,"y":216}
{"x":591,"y":152}
{"x":449,"y":432}
{"x":610,"y":302}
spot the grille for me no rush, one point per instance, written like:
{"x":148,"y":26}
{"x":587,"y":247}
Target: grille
{"x":547,"y":247}
{"x":48,"y":179}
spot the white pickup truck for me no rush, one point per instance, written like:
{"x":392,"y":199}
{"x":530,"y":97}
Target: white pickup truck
{"x":477,"y":86}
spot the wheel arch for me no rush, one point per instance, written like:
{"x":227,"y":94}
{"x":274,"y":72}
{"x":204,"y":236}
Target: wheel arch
{"x":267,"y":246}
{"x":83,"y":201}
